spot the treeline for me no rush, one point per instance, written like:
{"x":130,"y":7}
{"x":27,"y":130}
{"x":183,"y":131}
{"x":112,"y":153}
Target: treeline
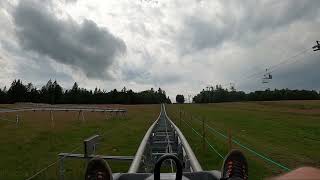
{"x":53,"y":93}
{"x":219,"y":94}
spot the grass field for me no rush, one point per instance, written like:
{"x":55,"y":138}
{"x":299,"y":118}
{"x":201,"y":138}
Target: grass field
{"x":35,"y":143}
{"x":288,"y":132}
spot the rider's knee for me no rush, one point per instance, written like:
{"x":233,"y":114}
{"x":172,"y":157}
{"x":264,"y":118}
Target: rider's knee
{"x":301,"y":173}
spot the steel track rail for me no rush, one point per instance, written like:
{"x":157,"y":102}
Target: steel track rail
{"x":138,"y":156}
{"x":141,"y":152}
{"x":195,"y":165}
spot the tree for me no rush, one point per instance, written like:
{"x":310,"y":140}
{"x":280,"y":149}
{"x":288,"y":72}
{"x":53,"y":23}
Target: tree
{"x":17,"y":91}
{"x":57,"y":92}
{"x":75,"y":88}
{"x":180,"y":99}
{"x":3,"y":95}
{"x":53,"y":93}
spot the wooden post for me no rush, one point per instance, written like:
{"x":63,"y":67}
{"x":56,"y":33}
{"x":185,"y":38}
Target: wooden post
{"x":79,"y":115}
{"x":52,"y":120}
{"x":122,"y":114}
{"x":229,"y":139}
{"x":83,"y":120}
{"x":105,"y":114}
{"x":17,"y":119}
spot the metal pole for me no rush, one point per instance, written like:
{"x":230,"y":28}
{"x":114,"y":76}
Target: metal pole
{"x":61,"y":169}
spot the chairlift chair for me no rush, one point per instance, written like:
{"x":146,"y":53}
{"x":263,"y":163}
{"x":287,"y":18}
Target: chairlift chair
{"x":266,"y":77}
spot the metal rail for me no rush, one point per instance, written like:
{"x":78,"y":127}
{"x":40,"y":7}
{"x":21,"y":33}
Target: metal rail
{"x":138,"y":157}
{"x":161,"y":138}
{"x":62,"y":109}
{"x":82,"y":156}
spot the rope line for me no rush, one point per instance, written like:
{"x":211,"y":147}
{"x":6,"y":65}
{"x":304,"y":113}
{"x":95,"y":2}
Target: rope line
{"x":210,"y":145}
{"x":249,"y":149}
{"x":272,"y":68}
{"x":246,"y":147}
{"x":8,"y":120}
{"x":63,"y":157}
{"x":50,"y":165}
{"x":286,"y":60}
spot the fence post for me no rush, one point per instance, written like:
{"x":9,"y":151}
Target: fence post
{"x":106,"y":115}
{"x":52,"y":120}
{"x":79,"y":115}
{"x":83,"y":120}
{"x":17,"y":119}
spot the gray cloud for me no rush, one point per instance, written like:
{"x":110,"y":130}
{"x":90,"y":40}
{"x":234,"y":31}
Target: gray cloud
{"x":142,"y":75}
{"x":71,"y":1}
{"x":243,"y":22}
{"x":199,"y":34}
{"x":84,"y":46}
{"x":42,"y":71}
{"x":30,"y":66}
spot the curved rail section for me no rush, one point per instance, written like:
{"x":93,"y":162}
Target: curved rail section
{"x":164,"y":137}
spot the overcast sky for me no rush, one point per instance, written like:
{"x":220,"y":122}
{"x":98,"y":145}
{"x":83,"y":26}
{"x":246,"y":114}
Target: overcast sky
{"x":180,"y":45}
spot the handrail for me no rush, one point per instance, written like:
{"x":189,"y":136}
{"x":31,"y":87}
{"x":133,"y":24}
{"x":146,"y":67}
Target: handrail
{"x":61,"y":109}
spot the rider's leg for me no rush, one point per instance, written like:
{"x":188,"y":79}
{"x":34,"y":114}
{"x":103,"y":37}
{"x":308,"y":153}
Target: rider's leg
{"x":98,"y":169}
{"x":235,"y":166}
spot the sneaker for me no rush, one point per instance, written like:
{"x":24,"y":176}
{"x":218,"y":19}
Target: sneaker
{"x":235,"y":166}
{"x":98,"y":169}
